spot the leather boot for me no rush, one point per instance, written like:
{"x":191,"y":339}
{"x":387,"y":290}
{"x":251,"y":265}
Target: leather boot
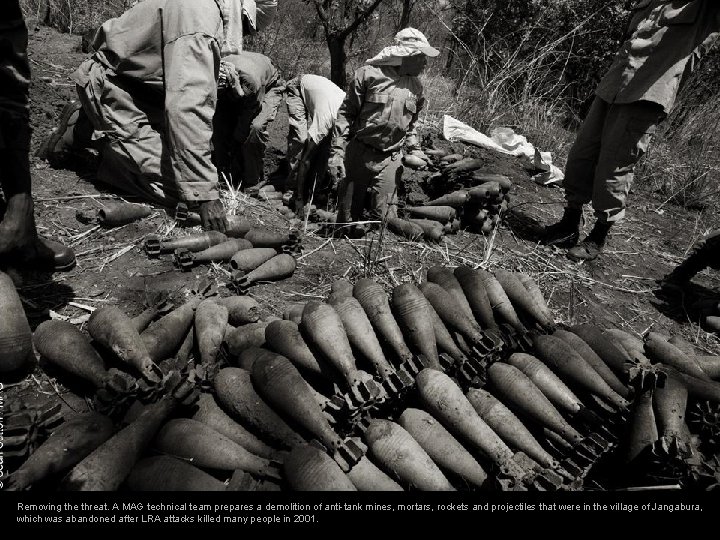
{"x":566,"y":232}
{"x":593,"y":244}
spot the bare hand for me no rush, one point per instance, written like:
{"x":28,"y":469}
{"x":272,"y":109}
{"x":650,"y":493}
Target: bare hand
{"x":213,"y":217}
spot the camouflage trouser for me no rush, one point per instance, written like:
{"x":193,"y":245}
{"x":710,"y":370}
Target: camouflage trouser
{"x":601,"y":163}
{"x":130,"y":127}
{"x":14,"y":92}
{"x":240,"y":137}
{"x":371,"y":180}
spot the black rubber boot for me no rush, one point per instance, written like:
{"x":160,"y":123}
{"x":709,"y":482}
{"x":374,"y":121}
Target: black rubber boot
{"x":566,"y":232}
{"x":593,"y":245}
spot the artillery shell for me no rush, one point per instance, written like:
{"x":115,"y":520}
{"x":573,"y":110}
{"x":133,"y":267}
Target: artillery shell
{"x":67,"y":445}
{"x":405,"y":228}
{"x":444,"y":399}
{"x":589,"y":355}
{"x":205,"y":447}
{"x":308,"y":468}
{"x":455,"y":199}
{"x":106,"y":467}
{"x":401,"y":456}
{"x":643,"y":429}
{"x":241,"y":309}
{"x":244,"y":337}
{"x":506,"y":424}
{"x":516,"y":388}
{"x":413,"y":313}
{"x":118,"y":214}
{"x":374,"y":301}
{"x":239,"y":398}
{"x":474,"y":289}
{"x":249,"y":259}
{"x":573,"y":368}
{"x":62,"y":344}
{"x":114,"y":330}
{"x":443,"y":214}
{"x":212,"y":415}
{"x":282,"y":386}
{"x":446,"y":279}
{"x":283,"y":337}
{"x":366,"y":476}
{"x":548,"y":383}
{"x":166,"y":473}
{"x":432,"y":230}
{"x":323,"y":326}
{"x":500,"y":302}
{"x":520,"y":298}
{"x":442,"y":447}
{"x":15,"y":334}
{"x":164,"y":337}
{"x":360,"y":332}
{"x":279,"y":267}
{"x":659,"y":350}
{"x":211,"y":321}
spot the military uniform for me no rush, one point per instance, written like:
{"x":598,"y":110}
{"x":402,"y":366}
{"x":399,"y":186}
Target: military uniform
{"x":241,"y":123}
{"x":666,"y":39}
{"x":19,"y":243}
{"x":376,"y":121}
{"x":14,"y":91}
{"x":312,"y":103}
{"x":150,"y":92}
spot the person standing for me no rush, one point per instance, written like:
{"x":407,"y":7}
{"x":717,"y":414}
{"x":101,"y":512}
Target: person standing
{"x":19,"y":241}
{"x":375,"y":124}
{"x":665,"y":41}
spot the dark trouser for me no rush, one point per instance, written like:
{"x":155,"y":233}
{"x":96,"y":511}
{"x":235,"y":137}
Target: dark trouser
{"x":14,"y":99}
{"x":312,"y":177}
{"x":601,"y":163}
{"x":371,"y":180}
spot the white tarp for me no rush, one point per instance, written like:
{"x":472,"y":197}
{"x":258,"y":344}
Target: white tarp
{"x":506,"y":141}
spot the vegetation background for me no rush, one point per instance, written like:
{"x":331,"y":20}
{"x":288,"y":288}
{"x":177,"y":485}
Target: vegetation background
{"x":528,"y":64}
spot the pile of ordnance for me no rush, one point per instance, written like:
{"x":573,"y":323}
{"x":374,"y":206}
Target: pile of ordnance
{"x":462,"y":382}
{"x":460,"y":194}
{"x":254,"y":254}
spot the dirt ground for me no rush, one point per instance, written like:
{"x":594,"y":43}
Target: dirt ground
{"x":615,"y":291}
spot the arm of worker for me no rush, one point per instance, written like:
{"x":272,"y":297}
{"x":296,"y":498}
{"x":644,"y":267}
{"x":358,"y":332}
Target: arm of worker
{"x":190,"y":99}
{"x":297,"y":122}
{"x":347,"y":115}
{"x":412,"y":141}
{"x":274,"y":93}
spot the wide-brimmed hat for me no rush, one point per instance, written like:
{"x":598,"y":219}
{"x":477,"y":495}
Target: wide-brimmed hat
{"x":415,"y":39}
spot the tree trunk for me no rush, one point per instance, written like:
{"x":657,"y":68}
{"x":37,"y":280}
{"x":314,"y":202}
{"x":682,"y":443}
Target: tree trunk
{"x":338,"y":60}
{"x":405,"y":15}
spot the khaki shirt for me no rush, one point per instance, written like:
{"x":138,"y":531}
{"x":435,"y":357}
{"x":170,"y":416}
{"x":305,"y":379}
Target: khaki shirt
{"x":666,"y":38}
{"x":380,"y":110}
{"x":321,"y":100}
{"x":263,"y":76}
{"x":176,"y":57}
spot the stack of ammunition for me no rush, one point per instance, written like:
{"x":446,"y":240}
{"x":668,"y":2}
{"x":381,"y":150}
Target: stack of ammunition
{"x":255,"y":254}
{"x":460,"y":382}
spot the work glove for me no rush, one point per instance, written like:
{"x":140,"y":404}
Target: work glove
{"x":228,"y":79}
{"x":336,"y":170}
